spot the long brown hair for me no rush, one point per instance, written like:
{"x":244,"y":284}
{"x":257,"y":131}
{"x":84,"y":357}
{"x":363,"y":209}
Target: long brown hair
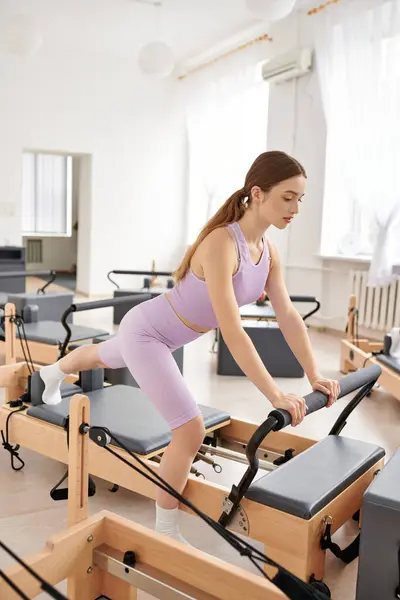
{"x":269,"y":169}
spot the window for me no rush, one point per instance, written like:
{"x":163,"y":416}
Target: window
{"x":46,"y":194}
{"x":362,"y":136}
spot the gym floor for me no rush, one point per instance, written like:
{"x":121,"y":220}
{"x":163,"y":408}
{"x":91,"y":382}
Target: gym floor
{"x":28,"y":516}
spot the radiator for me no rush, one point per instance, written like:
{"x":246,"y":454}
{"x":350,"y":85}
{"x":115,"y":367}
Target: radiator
{"x":378,"y":307}
{"x":34,"y":251}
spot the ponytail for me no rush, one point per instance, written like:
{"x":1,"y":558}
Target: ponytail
{"x":230,"y":212}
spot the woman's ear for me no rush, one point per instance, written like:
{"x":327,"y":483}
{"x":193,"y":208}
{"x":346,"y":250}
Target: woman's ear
{"x":256,"y":193}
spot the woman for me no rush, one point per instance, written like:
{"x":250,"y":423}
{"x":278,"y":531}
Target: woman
{"x":230,"y":264}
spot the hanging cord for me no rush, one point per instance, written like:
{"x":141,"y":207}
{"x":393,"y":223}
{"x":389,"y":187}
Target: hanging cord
{"x":13,"y":450}
{"x":20,"y":325}
{"x":295,"y":588}
{"x":46,"y":587}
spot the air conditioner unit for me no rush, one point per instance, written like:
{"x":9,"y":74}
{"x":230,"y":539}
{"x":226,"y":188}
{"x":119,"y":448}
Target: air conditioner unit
{"x":287,"y":66}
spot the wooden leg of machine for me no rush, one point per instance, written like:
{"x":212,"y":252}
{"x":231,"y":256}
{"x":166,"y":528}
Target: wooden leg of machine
{"x":85,"y":581}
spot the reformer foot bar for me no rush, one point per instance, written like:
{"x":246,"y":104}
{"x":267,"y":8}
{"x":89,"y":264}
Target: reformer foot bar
{"x":18,"y":274}
{"x":265,"y":312}
{"x":293,"y":510}
{"x":357,"y":352}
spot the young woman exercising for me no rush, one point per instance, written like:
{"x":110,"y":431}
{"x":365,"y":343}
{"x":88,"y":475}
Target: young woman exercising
{"x":230,"y":264}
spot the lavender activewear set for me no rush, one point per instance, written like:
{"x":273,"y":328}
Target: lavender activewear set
{"x":151,"y":331}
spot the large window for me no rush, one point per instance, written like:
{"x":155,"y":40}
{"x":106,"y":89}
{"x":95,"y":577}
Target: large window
{"x":358,"y":52}
{"x":46,"y":194}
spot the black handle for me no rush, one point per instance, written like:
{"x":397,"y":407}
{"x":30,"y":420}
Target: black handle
{"x":151,"y":273}
{"x":316,"y":400}
{"x":6,"y":274}
{"x":306,"y":299}
{"x":106,"y":302}
{"x":303,"y":299}
{"x":103,"y":303}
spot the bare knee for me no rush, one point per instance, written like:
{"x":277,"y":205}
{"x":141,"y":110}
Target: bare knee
{"x":190,"y":436}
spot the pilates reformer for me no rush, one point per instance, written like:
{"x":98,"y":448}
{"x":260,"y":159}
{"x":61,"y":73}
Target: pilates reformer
{"x":40,"y":305}
{"x":108,"y":557}
{"x":293,"y":509}
{"x":356,"y":352}
{"x":47,"y":341}
{"x":260,"y":323}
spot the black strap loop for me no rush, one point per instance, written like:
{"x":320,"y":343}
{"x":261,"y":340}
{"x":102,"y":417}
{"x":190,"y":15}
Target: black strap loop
{"x":13,"y":450}
{"x":348,"y":554}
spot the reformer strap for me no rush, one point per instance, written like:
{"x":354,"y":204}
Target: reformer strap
{"x":62,"y":494}
{"x":13,"y":450}
{"x":397,"y":592}
{"x":348,"y":554}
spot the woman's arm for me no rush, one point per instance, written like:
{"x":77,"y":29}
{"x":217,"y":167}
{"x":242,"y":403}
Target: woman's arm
{"x":218,"y":260}
{"x":293,"y":326}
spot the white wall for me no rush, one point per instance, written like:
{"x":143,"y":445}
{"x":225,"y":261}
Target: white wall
{"x":131,"y":128}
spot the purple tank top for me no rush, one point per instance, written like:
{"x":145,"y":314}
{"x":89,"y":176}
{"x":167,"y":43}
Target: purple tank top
{"x":190,"y":296}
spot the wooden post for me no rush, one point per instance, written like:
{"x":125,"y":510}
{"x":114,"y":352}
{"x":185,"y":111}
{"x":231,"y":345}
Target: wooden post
{"x":85,"y":581}
{"x":78,"y":460}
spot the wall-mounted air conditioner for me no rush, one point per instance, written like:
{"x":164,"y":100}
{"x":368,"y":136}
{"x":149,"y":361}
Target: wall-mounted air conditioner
{"x":287,"y":66}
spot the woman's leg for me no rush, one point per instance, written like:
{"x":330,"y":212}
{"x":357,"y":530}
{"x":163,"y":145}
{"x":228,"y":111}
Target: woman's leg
{"x":81,"y":359}
{"x":157,"y":374}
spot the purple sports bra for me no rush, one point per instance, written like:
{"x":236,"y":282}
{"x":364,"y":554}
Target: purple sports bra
{"x":190,"y":296}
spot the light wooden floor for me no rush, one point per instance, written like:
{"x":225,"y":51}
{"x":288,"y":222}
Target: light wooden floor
{"x":28,"y":516}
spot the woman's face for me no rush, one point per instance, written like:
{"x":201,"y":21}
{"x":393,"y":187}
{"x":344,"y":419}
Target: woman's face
{"x":280,"y":205}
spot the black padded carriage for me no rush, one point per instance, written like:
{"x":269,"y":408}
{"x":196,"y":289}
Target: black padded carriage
{"x":313,"y":478}
{"x":389,"y":361}
{"x":127,"y":413}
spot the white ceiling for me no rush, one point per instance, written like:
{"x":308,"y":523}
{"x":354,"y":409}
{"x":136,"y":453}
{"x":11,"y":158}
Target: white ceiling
{"x":121,"y":27}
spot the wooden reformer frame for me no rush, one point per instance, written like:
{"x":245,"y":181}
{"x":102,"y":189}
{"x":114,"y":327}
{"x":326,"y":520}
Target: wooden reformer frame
{"x":289,"y":540}
{"x":356,"y":353}
{"x":108,"y":556}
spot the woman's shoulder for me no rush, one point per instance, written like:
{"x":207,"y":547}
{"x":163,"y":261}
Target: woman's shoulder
{"x":220,"y":236}
{"x":217,"y":246}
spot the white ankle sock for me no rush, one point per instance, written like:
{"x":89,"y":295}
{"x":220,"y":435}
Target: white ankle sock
{"x":167,"y":523}
{"x":52,"y":377}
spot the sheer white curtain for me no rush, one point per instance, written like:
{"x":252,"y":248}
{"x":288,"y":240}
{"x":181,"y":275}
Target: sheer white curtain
{"x":46,"y":194}
{"x":226,"y":118}
{"x":358,"y":57}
